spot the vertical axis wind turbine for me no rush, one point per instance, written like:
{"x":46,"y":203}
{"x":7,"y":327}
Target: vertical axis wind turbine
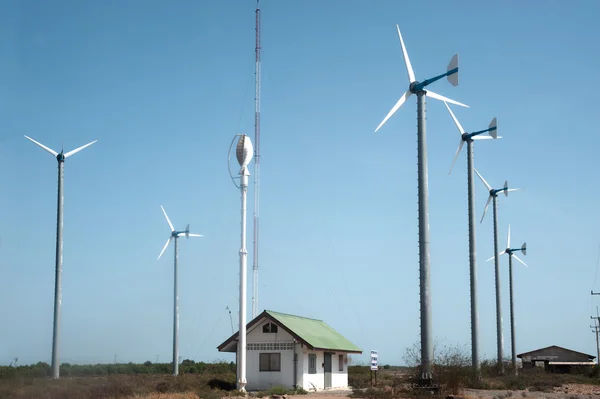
{"x":418,"y":88}
{"x":494,"y":196}
{"x":257,"y":51}
{"x":60,"y":157}
{"x":511,"y":253}
{"x":174,"y":237}
{"x":469,"y":138}
{"x":243,"y":154}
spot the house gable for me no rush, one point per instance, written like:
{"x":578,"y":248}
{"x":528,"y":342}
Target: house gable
{"x":267,"y":330}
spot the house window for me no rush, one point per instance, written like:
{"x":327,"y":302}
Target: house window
{"x":341,"y":362}
{"x":270,"y":362}
{"x":270,"y":328}
{"x":312,"y":363}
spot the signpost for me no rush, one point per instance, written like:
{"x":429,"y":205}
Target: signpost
{"x":374,"y":367}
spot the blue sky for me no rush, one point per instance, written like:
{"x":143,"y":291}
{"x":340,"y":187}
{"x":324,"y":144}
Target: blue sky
{"x":165,"y":86}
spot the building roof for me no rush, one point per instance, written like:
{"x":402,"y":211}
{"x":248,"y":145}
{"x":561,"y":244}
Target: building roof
{"x":554,"y":346}
{"x":315,"y":334}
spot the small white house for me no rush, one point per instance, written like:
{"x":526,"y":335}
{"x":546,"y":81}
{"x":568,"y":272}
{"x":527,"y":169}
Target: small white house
{"x":292,"y":351}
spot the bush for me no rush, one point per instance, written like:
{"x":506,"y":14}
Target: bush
{"x":280,"y":391}
{"x":359,"y":376}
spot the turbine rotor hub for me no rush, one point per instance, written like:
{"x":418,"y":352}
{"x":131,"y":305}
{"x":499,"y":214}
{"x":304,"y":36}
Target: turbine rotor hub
{"x":60,"y":157}
{"x":414,"y":87}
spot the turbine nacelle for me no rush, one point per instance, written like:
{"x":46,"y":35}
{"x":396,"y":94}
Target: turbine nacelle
{"x":414,"y":87}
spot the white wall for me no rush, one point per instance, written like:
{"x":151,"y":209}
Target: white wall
{"x":339,"y":379}
{"x":258,"y":380}
{"x":311,"y":381}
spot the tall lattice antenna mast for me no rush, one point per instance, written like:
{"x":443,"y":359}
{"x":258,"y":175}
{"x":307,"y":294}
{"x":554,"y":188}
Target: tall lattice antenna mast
{"x":256,"y":166}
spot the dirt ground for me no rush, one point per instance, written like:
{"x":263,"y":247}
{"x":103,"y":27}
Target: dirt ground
{"x":568,"y":391}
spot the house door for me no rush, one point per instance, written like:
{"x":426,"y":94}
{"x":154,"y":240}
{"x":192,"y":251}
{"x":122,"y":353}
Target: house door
{"x":327,"y":369}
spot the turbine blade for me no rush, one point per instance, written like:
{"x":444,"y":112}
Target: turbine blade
{"x":409,"y":69}
{"x":442,"y":98}
{"x":514,"y":189}
{"x":165,"y":247}
{"x":502,"y":252}
{"x":487,"y":204}
{"x":490,"y":259}
{"x":484,"y":138}
{"x":76,"y":150}
{"x":508,"y":240}
{"x":517,"y":258}
{"x":43,"y":146}
{"x":456,"y":122}
{"x":483,"y":180}
{"x":456,"y":155}
{"x":401,"y":101}
{"x":196,"y":235}
{"x":168,"y":221}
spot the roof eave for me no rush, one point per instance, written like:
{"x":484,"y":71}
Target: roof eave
{"x":339,"y":350}
{"x":555,"y":346}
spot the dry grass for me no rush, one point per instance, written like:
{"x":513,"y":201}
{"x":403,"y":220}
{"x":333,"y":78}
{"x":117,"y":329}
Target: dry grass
{"x":118,"y":387}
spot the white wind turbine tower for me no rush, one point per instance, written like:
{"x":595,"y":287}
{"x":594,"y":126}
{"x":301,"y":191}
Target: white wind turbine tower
{"x":60,"y":157}
{"x":418,"y":88}
{"x":243,"y":153}
{"x":175,"y":237}
{"x":469,"y":138}
{"x":494,"y":196}
{"x":511,"y":253}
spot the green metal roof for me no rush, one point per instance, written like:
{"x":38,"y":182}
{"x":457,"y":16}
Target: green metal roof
{"x":314,"y":332}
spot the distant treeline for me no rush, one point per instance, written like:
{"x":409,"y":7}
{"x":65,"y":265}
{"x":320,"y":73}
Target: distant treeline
{"x":42,"y":369}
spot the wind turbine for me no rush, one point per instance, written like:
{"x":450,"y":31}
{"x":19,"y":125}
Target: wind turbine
{"x":243,"y":153}
{"x":469,"y":138}
{"x":511,"y":253}
{"x":175,"y":237}
{"x":60,"y":158}
{"x":418,"y":88}
{"x":494,"y":195}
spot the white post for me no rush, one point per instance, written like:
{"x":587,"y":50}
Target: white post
{"x":241,"y":383}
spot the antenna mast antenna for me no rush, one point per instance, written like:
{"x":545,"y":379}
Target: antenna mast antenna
{"x":257,"y":50}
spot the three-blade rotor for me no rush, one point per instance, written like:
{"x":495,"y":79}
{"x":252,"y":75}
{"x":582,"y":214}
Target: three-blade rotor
{"x":494,"y":192}
{"x":414,"y":86}
{"x":175,"y":234}
{"x":511,"y":251}
{"x":464,"y":136}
